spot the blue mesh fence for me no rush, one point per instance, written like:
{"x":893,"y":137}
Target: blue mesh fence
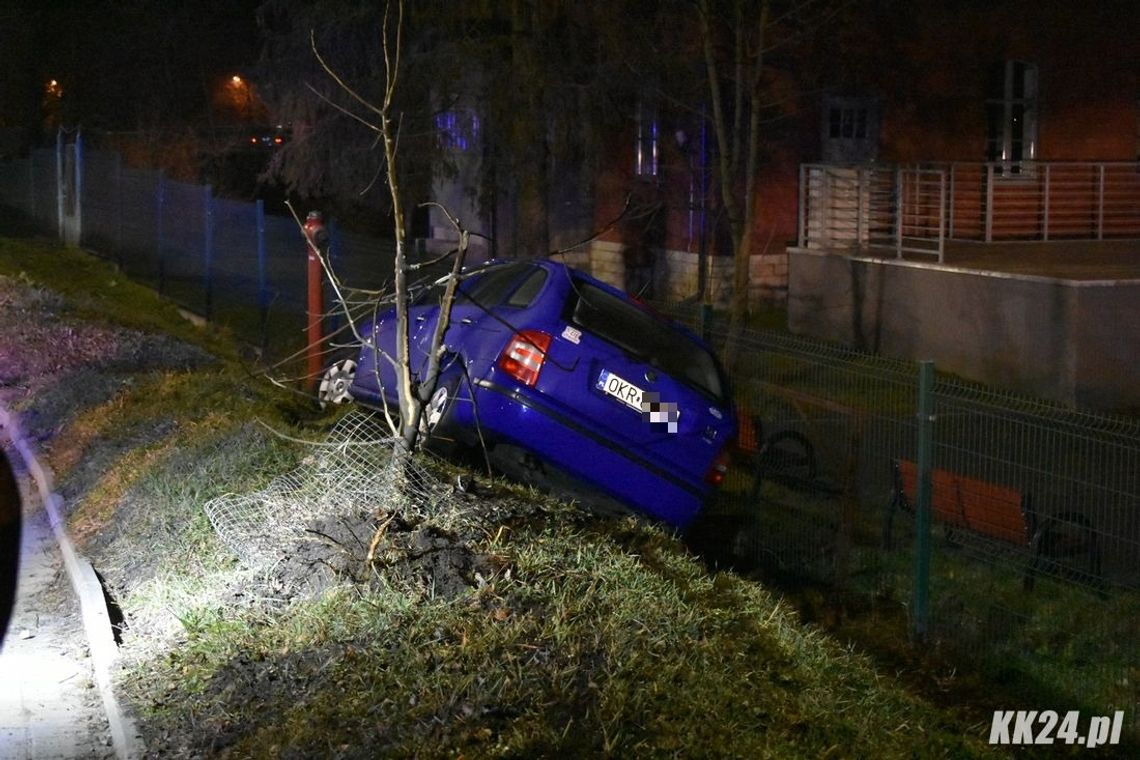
{"x":16,"y":185}
{"x":362,"y":260}
{"x":102,"y":211}
{"x":44,"y":195}
{"x":140,"y":194}
{"x":182,"y":252}
{"x":285,"y":276}
{"x":223,"y":259}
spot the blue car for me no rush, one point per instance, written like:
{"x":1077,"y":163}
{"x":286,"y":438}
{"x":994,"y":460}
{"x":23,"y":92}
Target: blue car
{"x":566,"y":379}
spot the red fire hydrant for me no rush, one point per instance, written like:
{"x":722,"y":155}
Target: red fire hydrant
{"x":316,"y":241}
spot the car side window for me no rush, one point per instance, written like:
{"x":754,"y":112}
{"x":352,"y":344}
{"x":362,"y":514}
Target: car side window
{"x":430,"y":295}
{"x":489,"y":289}
{"x":525,"y":294}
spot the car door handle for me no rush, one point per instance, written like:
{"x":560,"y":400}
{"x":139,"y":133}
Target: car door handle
{"x":466,"y":321}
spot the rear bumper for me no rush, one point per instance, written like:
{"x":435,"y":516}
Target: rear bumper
{"x":524,"y":419}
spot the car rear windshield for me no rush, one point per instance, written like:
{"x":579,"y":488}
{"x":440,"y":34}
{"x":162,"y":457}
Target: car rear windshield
{"x":646,"y":337}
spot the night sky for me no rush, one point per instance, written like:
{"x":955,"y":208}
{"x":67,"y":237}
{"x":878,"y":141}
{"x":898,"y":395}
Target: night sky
{"x":131,"y":65}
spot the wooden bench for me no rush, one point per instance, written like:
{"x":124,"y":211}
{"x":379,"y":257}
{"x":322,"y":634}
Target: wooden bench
{"x":964,"y":504}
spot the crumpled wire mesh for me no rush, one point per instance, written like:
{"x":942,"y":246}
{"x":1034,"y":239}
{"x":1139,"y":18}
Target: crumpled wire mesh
{"x":352,"y":471}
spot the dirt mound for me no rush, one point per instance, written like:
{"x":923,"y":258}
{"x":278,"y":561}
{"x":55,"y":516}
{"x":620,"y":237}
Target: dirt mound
{"x":362,"y":548}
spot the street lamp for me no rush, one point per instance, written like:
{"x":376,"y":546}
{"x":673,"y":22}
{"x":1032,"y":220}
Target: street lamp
{"x":240,"y":96}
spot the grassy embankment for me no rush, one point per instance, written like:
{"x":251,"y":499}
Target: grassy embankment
{"x":588,"y":637}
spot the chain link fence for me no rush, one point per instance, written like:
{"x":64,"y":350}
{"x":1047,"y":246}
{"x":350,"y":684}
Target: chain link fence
{"x":353,"y":471}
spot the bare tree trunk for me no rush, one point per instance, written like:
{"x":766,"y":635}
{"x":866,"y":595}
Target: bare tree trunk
{"x":412,"y":396}
{"x":409,"y":402}
{"x":739,"y":154}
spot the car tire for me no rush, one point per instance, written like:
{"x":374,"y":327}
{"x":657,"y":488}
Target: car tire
{"x":336,"y":381}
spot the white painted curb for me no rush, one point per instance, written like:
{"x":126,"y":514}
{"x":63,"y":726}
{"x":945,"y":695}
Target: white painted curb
{"x":92,"y":603}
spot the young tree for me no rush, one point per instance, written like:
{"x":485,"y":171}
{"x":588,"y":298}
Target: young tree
{"x":382,"y":119}
{"x":757,"y":73}
{"x":736,"y":124}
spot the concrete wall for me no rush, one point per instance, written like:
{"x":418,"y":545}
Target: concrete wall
{"x":1072,"y":341}
{"x":675,"y":274}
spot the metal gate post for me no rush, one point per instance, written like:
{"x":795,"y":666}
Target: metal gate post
{"x":989,"y":203}
{"x":898,"y":212}
{"x":941,"y":216}
{"x":921,"y":621}
{"x":950,"y":202}
{"x":1048,"y":181}
{"x":1100,"y":203}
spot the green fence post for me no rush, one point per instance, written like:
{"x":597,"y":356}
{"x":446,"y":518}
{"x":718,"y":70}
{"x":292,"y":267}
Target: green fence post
{"x":921,"y":619}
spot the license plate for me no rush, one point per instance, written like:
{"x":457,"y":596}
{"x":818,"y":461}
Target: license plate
{"x":623,"y":390}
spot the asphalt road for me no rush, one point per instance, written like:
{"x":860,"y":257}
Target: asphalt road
{"x":49,"y":704}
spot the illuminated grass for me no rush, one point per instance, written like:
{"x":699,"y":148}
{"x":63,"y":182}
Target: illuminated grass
{"x":94,"y":290}
{"x":604,"y":639}
{"x":590,"y":638}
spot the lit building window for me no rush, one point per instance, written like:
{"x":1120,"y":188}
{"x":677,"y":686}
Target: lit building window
{"x":645,"y":156}
{"x":1011,"y":117}
{"x":457,"y":130}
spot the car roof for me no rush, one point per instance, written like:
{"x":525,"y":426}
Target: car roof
{"x":561,"y":267}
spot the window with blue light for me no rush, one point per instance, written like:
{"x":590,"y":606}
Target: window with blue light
{"x":457,"y":130}
{"x":645,"y":156}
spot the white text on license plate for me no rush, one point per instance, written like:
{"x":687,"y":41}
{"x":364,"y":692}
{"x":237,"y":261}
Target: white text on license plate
{"x":623,"y":390}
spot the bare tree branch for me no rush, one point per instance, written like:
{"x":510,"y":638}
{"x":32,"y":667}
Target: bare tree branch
{"x":339,"y":81}
{"x":610,"y":225}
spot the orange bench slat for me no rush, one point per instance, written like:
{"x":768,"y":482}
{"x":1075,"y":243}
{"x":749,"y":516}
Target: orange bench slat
{"x":971,"y":504}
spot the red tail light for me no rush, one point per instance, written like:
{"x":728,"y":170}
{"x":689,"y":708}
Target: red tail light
{"x":718,"y":469}
{"x":523,"y":357}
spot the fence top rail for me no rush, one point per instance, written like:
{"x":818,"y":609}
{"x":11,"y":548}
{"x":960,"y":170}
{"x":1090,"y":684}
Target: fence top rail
{"x":957,"y":390}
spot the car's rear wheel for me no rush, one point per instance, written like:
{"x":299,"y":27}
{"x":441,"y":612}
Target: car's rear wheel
{"x":336,"y":382}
